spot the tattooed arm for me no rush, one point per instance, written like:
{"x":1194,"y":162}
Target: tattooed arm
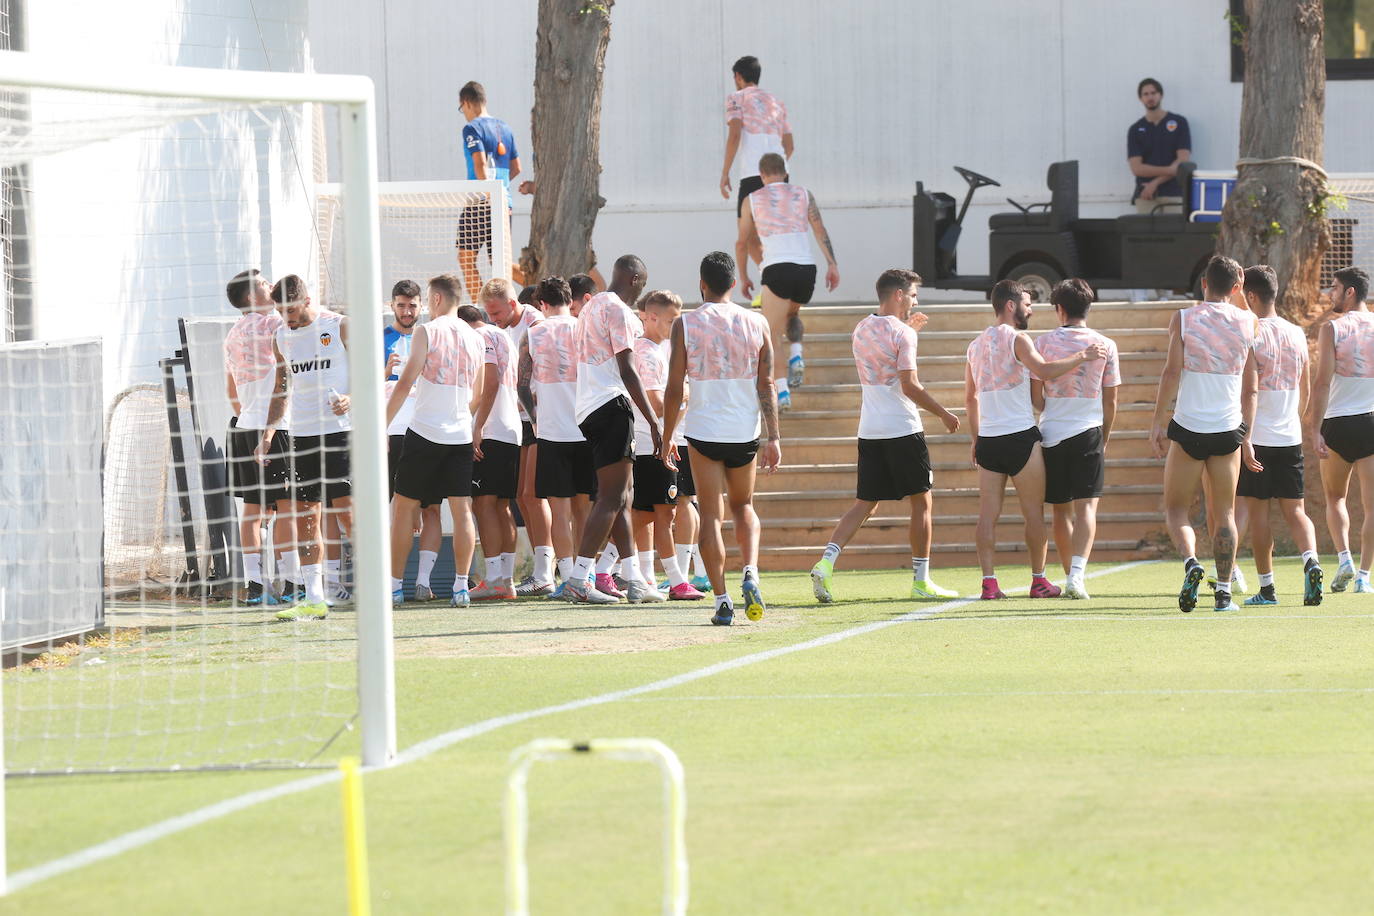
{"x":524,"y":385}
{"x":770,"y":455}
{"x":832,"y":270}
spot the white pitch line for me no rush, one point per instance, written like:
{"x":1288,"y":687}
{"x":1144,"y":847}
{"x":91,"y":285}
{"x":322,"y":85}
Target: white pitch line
{"x":143,"y":836}
{"x":996,"y":694}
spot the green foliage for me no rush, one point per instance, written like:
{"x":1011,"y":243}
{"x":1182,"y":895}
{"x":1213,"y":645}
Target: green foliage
{"x":1238,"y":26}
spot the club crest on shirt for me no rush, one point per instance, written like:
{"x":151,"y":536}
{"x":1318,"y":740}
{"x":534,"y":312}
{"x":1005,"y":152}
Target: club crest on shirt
{"x":1171,"y":125}
{"x":672,"y":492}
{"x":325,"y":338}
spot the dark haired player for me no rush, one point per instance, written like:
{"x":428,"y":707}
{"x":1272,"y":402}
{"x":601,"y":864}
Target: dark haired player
{"x":757,"y":123}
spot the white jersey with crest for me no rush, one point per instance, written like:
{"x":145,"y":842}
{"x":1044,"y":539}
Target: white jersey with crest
{"x":1216,"y":339}
{"x":1352,"y":385}
{"x":885,"y":346}
{"x":782,"y":216}
{"x":527,"y":317}
{"x":722,"y":342}
{"x":605,"y":327}
{"x":553,"y":378}
{"x":1280,"y":355}
{"x":248,"y":358}
{"x":456,"y":353}
{"x":1002,"y":383}
{"x":652,"y":365}
{"x":503,"y":423}
{"x":317,"y":362}
{"x":679,"y":434}
{"x":1073,"y":402}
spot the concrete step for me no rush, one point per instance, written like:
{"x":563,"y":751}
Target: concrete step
{"x":832,"y":370}
{"x":944,"y":447}
{"x":893,"y":529}
{"x":976,"y":317}
{"x":947,"y":474}
{"x":952,"y":502}
{"x":1133,"y":390}
{"x":800,"y":421}
{"x":1010,"y":558}
{"x":955,"y":343}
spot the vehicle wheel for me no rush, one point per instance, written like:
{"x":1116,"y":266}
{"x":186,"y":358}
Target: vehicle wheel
{"x":1037,"y":278}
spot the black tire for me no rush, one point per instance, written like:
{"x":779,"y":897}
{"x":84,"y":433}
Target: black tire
{"x":1037,"y":277}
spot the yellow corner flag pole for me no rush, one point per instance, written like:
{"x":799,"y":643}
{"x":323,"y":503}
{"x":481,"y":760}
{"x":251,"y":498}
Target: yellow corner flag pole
{"x":355,"y":839}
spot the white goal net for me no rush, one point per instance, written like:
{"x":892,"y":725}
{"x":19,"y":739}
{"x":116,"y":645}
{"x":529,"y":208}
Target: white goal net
{"x":152,"y":610}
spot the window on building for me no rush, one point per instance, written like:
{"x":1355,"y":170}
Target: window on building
{"x":1349,"y":39}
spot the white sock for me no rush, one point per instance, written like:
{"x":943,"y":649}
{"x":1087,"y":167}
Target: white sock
{"x":565,"y":568}
{"x":289,"y":563}
{"x":832,"y":552}
{"x":1266,"y":579}
{"x":722,"y":600}
{"x":314,"y":582}
{"x":795,"y":350}
{"x":646,"y":565}
{"x":543,"y":564}
{"x":698,"y":564}
{"x":1309,"y":555}
{"x":1038,"y":575}
{"x":331,"y":573}
{"x":782,"y":384}
{"x":582,"y":569}
{"x":751,"y":572}
{"x":920,"y":568}
{"x":674,"y":571}
{"x":1077,"y":566}
{"x":493,"y":569}
{"x":460,"y":584}
{"x":252,"y":567}
{"x":508,"y":565}
{"x":629,"y":570}
{"x":396,"y":583}
{"x":426,"y":566}
{"x":1364,"y":574}
{"x":684,"y":558}
{"x":609,"y":557}
{"x":1343,"y":558}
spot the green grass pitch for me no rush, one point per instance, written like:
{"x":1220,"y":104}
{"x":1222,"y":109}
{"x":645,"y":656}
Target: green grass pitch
{"x":1108,"y":756}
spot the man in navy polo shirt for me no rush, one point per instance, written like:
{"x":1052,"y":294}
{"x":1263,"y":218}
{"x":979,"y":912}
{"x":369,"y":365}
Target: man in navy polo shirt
{"x":1155,"y":146}
{"x":489,"y":151}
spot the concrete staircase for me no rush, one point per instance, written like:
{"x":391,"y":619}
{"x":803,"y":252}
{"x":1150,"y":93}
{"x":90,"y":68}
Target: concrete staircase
{"x":799,"y":504}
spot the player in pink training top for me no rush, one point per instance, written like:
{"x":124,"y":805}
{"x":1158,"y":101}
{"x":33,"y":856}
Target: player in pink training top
{"x":607,"y":385}
{"x":1343,"y":404}
{"x":1282,"y":364}
{"x":1006,"y":441}
{"x":784,"y":216}
{"x":726,"y":352}
{"x":894,"y":462}
{"x":1076,"y":415}
{"x":757,"y":123}
{"x":445,"y":367}
{"x":250,"y":373}
{"x":1211,"y":368}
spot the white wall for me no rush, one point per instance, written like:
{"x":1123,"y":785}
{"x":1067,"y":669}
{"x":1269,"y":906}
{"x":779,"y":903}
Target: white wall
{"x":881,"y":93}
{"x":133,"y":233}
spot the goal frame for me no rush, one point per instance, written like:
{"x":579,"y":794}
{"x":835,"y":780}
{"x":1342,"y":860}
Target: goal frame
{"x":356,"y":99}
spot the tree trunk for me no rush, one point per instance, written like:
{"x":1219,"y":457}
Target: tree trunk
{"x":570,"y":57}
{"x":1276,"y":214}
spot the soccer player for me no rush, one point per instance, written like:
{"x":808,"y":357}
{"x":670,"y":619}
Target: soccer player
{"x":726,"y":352}
{"x":489,"y":151}
{"x":1281,"y":363}
{"x":1211,"y":368}
{"x":757,"y":123}
{"x":445,"y":367}
{"x":1077,"y":411}
{"x":607,"y":385}
{"x":249,"y":378}
{"x":894,"y":462}
{"x":496,"y":465}
{"x":655,"y":484}
{"x":583,"y":287}
{"x":1006,"y":441}
{"x":313,"y":345}
{"x":405,"y":313}
{"x":1343,"y":404}
{"x":780,"y":214}
{"x":564,"y":475}
{"x":516,"y":318}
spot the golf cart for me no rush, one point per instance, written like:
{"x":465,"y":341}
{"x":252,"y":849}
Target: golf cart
{"x":1042,"y":243}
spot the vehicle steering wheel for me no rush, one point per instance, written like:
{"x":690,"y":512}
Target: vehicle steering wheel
{"x":974,"y":179}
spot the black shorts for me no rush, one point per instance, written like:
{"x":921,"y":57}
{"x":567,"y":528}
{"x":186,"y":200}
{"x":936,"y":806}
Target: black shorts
{"x":474,"y":230}
{"x":1201,"y":446}
{"x":394,"y":446}
{"x":1282,"y":475}
{"x":497,"y":473}
{"x":686,"y":484}
{"x":254,"y":484}
{"x":321,"y":467}
{"x":1006,"y":454}
{"x":526,"y":433}
{"x":794,"y":282}
{"x":655,"y":485}
{"x":1075,"y":468}
{"x":730,"y":454}
{"x":893,"y":468}
{"x":1350,"y":437}
{"x":563,"y":469}
{"x":610,"y":430}
{"x":431,"y":471}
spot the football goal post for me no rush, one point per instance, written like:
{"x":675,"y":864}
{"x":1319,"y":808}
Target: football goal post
{"x":129,"y":200}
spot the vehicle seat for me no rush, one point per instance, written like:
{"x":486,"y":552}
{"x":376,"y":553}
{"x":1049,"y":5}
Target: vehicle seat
{"x":1062,"y":179}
